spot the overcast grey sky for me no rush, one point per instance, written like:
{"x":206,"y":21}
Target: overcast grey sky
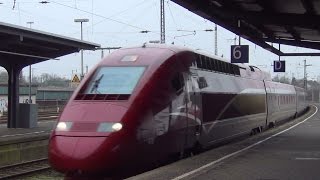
{"x":119,"y":22}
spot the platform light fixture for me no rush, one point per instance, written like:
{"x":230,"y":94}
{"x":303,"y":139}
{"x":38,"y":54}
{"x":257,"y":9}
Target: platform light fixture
{"x":81,"y":21}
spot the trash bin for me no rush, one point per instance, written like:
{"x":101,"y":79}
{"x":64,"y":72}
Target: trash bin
{"x":28,"y":116}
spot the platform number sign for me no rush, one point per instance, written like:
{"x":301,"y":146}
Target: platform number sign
{"x":239,"y":53}
{"x":279,"y":66}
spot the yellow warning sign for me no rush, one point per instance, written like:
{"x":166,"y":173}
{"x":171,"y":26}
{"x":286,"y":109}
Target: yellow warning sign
{"x":75,"y":79}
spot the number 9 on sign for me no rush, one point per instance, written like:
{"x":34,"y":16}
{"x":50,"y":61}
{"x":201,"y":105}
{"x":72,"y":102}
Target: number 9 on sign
{"x":239,"y":54}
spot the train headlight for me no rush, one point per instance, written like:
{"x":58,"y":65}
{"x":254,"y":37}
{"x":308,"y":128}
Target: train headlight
{"x":109,"y":127}
{"x":63,"y":126}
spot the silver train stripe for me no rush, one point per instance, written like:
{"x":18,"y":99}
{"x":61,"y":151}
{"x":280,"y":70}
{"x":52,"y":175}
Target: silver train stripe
{"x":190,"y":116}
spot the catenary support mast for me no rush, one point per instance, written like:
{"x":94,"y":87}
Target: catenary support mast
{"x":162,"y":23}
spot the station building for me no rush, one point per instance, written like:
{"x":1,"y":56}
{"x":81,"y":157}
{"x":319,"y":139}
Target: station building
{"x":53,"y":96}
{"x":45,"y":97}
{"x":23,"y":95}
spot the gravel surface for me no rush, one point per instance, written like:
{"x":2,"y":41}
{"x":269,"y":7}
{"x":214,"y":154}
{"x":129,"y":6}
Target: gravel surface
{"x":45,"y":175}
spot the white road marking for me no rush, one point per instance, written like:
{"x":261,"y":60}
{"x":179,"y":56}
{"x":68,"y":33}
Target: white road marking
{"x":240,"y":151}
{"x":306,"y":158}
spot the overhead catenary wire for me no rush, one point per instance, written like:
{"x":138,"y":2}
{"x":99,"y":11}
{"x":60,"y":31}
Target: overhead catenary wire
{"x":115,"y":14}
{"x":139,"y":15}
{"x":105,"y":18}
{"x":114,"y":20}
{"x":173,"y":19}
{"x":29,"y":14}
{"x":98,"y":15}
{"x":119,"y":13}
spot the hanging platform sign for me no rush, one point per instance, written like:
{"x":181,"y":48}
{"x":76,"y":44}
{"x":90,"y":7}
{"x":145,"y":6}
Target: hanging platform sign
{"x":240,"y":54}
{"x":279,"y":66}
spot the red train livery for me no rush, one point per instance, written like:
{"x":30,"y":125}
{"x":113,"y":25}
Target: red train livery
{"x":143,"y":104}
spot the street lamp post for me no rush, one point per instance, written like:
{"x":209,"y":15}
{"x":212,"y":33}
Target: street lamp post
{"x":29,"y":101}
{"x":81,"y":21}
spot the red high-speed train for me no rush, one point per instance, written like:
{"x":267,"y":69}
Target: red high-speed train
{"x":143,"y":104}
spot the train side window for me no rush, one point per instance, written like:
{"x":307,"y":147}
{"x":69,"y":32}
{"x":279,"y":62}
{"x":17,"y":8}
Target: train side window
{"x":194,"y":63}
{"x":198,"y":61}
{"x":202,"y":83}
{"x":228,"y":68}
{"x":236,"y":70}
{"x":178,"y":83}
{"x":210,"y":65}
{"x":202,"y":62}
{"x":205,"y":63}
{"x":219,"y":66}
{"x":223,"y":67}
{"x":231,"y":69}
{"x":286,"y":99}
{"x":199,"y":64}
{"x":214,"y":65}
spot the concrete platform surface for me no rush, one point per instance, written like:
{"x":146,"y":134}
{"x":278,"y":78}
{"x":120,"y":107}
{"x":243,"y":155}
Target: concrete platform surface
{"x":290,"y":151}
{"x":9,"y":136}
{"x":21,"y":145}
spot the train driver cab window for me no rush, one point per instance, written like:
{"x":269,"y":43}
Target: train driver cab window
{"x":178,"y":83}
{"x":114,"y":80}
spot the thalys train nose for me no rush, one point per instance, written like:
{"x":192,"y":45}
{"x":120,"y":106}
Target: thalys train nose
{"x":87,"y":154}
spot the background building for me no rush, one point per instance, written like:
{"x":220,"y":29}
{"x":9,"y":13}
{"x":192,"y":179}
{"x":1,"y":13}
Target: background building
{"x":23,"y":98}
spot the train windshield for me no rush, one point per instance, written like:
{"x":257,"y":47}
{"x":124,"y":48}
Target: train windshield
{"x":114,"y":80}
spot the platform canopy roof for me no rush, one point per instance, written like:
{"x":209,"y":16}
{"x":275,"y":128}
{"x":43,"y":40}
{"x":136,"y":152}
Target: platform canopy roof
{"x":20,"y":46}
{"x":290,"y":22}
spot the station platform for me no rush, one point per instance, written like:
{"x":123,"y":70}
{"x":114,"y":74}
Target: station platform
{"x":20,"y":145}
{"x":289,"y":151}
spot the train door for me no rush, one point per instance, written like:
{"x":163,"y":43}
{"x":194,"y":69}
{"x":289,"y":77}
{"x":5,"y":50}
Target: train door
{"x":268,"y":101}
{"x":192,"y":109}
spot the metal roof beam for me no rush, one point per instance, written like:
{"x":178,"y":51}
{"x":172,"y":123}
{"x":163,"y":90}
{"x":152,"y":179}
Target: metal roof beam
{"x":293,"y":32}
{"x":21,"y":32}
{"x":281,"y":19}
{"x":305,"y":44}
{"x":300,"y":54}
{"x":308,"y":5}
{"x":265,"y":5}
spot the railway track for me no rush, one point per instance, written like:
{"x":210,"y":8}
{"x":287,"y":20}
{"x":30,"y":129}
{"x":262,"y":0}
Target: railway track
{"x":41,"y":116}
{"x":22,"y":169}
